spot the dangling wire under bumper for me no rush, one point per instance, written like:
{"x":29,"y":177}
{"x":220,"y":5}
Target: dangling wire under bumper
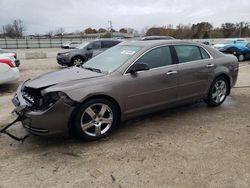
{"x":4,"y":130}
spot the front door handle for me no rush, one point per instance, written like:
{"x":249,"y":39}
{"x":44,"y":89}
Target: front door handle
{"x":210,"y":65}
{"x":171,"y":72}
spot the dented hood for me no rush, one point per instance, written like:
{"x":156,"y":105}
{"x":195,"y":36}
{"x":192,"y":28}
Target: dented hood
{"x":65,"y":75}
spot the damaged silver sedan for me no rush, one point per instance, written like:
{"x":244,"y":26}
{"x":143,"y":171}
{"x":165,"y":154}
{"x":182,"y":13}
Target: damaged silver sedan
{"x":128,"y":80}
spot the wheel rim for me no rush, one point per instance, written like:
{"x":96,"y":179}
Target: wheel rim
{"x":78,"y":61}
{"x":97,"y":119}
{"x":219,"y":91}
{"x":241,"y":57}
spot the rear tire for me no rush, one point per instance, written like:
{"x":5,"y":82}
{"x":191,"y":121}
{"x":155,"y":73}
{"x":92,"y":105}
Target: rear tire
{"x":218,"y":92}
{"x":95,"y":119}
{"x":241,"y":57}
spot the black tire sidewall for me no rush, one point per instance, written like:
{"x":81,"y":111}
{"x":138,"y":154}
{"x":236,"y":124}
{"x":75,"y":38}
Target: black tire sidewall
{"x":210,"y":100}
{"x":74,"y":58}
{"x":241,"y":59}
{"x":77,"y":123}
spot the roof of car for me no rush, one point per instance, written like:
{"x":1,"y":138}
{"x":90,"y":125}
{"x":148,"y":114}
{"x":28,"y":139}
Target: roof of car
{"x":240,"y":43}
{"x":106,"y":39}
{"x":156,"y":42}
{"x":157,"y":38}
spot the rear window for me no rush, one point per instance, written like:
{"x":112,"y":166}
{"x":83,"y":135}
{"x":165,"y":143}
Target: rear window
{"x":186,"y":53}
{"x":115,"y":42}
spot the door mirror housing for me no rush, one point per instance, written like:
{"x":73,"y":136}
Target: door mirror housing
{"x":139,"y":66}
{"x":89,"y":48}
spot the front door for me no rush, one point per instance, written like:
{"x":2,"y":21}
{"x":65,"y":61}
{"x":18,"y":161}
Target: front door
{"x":154,"y":87}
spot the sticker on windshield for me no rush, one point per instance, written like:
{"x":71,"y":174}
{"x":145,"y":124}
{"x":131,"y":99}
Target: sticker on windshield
{"x":127,"y":52}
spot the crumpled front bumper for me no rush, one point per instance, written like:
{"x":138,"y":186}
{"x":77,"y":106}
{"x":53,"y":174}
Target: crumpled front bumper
{"x":63,"y":60}
{"x":52,"y":121}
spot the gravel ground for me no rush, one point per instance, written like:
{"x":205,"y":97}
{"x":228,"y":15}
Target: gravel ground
{"x":190,"y":146}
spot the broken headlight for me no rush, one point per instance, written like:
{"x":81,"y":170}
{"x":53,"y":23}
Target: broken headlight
{"x":51,"y":98}
{"x":65,"y":98}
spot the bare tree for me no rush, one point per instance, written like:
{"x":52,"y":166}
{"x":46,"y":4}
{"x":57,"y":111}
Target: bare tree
{"x":123,"y":30}
{"x":50,"y":33}
{"x":59,"y":31}
{"x":14,"y":30}
{"x":130,"y":30}
{"x":18,"y":27}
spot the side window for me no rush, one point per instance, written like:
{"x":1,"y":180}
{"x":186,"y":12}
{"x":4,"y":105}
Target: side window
{"x":96,"y":45}
{"x":158,"y":57}
{"x":115,"y":43}
{"x":186,"y":53}
{"x":107,"y":44}
{"x":248,"y":45}
{"x":204,"y":54}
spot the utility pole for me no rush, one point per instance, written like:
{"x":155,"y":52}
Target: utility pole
{"x":241,"y":25}
{"x":110,"y":27}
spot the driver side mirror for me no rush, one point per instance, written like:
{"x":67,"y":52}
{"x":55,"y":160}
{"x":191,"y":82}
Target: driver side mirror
{"x":139,"y":66}
{"x":89,"y":48}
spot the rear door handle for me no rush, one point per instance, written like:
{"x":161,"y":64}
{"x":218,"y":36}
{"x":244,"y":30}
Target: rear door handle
{"x":171,"y":72}
{"x":210,"y":65}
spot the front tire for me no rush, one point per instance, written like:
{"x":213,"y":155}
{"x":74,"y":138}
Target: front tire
{"x":77,"y":61}
{"x":218,"y":92}
{"x":95,"y":119}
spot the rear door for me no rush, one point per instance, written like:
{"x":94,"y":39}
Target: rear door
{"x":154,"y":87}
{"x":196,"y":69}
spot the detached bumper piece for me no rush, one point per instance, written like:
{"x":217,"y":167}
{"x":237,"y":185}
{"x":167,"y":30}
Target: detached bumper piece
{"x":4,"y":130}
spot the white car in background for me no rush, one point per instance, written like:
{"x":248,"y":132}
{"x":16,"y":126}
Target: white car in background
{"x":11,"y":55}
{"x":70,"y":45}
{"x":8,"y":70}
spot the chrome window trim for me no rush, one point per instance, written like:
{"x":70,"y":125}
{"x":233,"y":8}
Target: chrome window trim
{"x":168,"y":45}
{"x":210,"y":56}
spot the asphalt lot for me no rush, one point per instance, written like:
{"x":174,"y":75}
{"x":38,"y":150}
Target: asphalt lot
{"x":189,"y":146}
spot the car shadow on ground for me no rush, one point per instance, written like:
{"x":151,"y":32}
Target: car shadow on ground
{"x":128,"y":129}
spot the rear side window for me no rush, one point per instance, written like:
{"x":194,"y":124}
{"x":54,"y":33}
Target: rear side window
{"x":186,"y":53}
{"x":95,"y":45}
{"x":107,"y":44}
{"x":115,"y":42}
{"x":204,"y":54}
{"x":158,"y":57}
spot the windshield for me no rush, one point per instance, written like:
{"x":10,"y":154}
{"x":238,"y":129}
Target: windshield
{"x":112,"y":58}
{"x":82,"y":45}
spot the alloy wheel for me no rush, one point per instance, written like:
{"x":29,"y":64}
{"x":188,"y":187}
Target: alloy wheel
{"x":219,"y":91}
{"x":77,"y":61}
{"x":241,"y":57}
{"x":96,"y":119}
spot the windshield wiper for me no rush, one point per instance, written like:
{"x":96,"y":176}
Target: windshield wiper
{"x":92,"y":69}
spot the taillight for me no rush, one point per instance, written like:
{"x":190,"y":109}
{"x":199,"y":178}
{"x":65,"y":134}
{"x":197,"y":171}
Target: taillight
{"x":8,"y":62}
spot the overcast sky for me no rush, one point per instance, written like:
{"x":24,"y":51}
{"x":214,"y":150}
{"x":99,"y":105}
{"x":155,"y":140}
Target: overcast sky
{"x":40,"y":16}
